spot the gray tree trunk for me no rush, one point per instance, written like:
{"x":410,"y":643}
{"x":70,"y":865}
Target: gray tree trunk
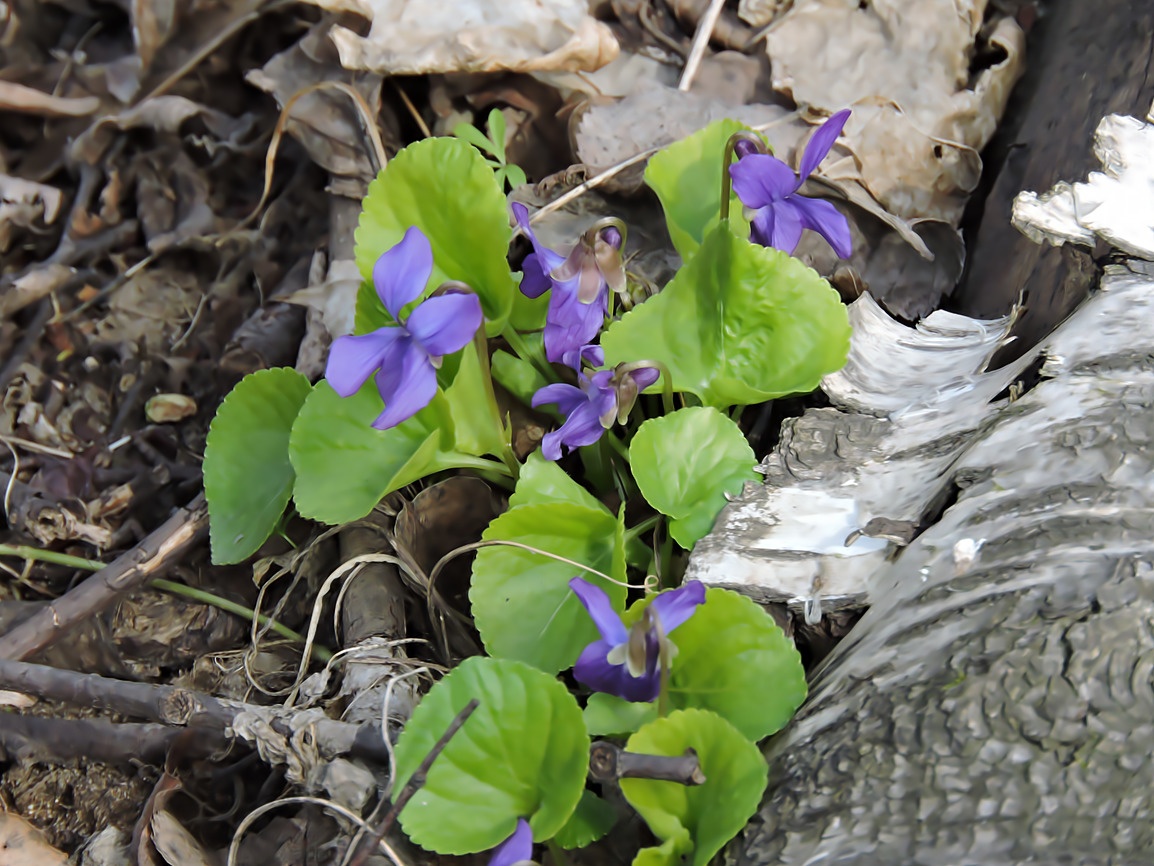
{"x":995,"y":705}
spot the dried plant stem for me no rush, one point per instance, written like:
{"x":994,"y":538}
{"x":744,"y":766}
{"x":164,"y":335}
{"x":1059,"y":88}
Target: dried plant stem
{"x":417,"y":779}
{"x":700,"y":43}
{"x":593,"y":182}
{"x":609,"y":762}
{"x":127,"y":572}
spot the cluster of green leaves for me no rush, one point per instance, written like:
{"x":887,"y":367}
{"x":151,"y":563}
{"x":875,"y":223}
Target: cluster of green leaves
{"x":738,"y":324}
{"x":494,"y":145}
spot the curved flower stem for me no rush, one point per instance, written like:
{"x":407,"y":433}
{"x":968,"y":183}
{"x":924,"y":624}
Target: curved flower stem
{"x":644,"y":526}
{"x":726,"y":180}
{"x":666,"y":380}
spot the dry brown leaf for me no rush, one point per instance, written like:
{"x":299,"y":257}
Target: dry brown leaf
{"x":24,"y":203}
{"x":33,"y":286}
{"x":904,"y":67}
{"x":325,"y":122}
{"x":17,"y":97}
{"x":152,"y":24}
{"x":414,"y":37}
{"x":175,"y":844}
{"x":21,"y":844}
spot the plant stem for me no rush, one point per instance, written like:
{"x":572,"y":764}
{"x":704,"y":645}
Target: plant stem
{"x":24,"y":552}
{"x":526,"y":352}
{"x":481,"y":347}
{"x":644,"y":526}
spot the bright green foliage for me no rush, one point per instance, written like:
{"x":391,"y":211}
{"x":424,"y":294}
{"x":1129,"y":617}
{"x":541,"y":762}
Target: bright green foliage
{"x":477,"y":429}
{"x":592,"y":820}
{"x":517,"y":376}
{"x":494,"y":145}
{"x":735,"y":660}
{"x":523,"y":753}
{"x":710,"y":814}
{"x":608,"y":714}
{"x":687,"y":178}
{"x":247,"y":475}
{"x":544,"y":481}
{"x":685,"y":463}
{"x":521,"y":600}
{"x":444,"y":187}
{"x":739,"y":324}
{"x":344,"y":466}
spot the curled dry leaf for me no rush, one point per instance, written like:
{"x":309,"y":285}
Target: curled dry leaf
{"x":18,"y":97}
{"x":21,"y":844}
{"x":414,"y":37}
{"x":920,"y":115}
{"x":23,"y":203}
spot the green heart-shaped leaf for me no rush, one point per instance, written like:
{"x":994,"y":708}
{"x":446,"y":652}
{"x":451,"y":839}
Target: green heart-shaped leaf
{"x":523,"y":753}
{"x":247,"y":475}
{"x":685,"y":463}
{"x":344,"y":466}
{"x":712,"y":813}
{"x":445,"y":188}
{"x":735,"y":660}
{"x":739,"y":324}
{"x":521,"y":600}
{"x":544,"y":481}
{"x":687,"y":178}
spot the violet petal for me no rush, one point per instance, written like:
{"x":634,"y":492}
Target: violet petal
{"x":825,"y":219}
{"x":594,"y":670}
{"x":675,"y":606}
{"x":645,"y":376}
{"x":821,"y":141}
{"x":407,"y":385}
{"x":517,"y":848}
{"x":600,"y":608}
{"x":761,"y":226}
{"x":353,"y":359}
{"x":759,"y":179}
{"x":567,"y":397}
{"x":570,"y":324}
{"x":401,"y":273}
{"x":445,"y":323}
{"x":534,"y":281}
{"x":786,"y":226}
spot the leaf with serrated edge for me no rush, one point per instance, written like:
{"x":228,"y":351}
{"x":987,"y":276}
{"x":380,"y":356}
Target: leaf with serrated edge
{"x":686,"y":176}
{"x":592,"y":820}
{"x":607,"y":715}
{"x":444,"y":187}
{"x":685,"y":463}
{"x":735,"y":660}
{"x":523,"y":753}
{"x":521,"y":601}
{"x":248,"y":478}
{"x":739,"y":324}
{"x":713,"y":813}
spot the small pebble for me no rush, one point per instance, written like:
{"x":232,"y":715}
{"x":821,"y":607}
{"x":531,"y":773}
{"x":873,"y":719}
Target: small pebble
{"x":169,"y":408}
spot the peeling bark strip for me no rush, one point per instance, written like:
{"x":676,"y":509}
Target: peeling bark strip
{"x":995,"y":704}
{"x":127,"y":572}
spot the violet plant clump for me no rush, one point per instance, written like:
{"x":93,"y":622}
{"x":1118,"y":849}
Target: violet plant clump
{"x":647,"y":400}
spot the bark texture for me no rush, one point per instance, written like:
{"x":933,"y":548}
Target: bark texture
{"x":995,"y":705}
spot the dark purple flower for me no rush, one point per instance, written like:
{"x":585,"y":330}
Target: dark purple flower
{"x":580,"y":283}
{"x":518,"y":848}
{"x":626,"y":661}
{"x":768,"y":187}
{"x":593,"y":405}
{"x":405,"y":356}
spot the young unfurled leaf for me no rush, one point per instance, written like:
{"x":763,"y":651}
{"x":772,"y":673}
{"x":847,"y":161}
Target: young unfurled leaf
{"x":544,"y":481}
{"x":712,"y":813}
{"x":521,"y":600}
{"x":685,"y":463}
{"x":523,"y":753}
{"x":247,"y":474}
{"x":739,"y":324}
{"x":444,"y":187}
{"x":686,"y":176}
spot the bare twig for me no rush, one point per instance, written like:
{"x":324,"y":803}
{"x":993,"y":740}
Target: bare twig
{"x":592,"y":183}
{"x":700,"y":43}
{"x":127,"y":572}
{"x":51,"y":740}
{"x":608,"y":763}
{"x":417,"y":779}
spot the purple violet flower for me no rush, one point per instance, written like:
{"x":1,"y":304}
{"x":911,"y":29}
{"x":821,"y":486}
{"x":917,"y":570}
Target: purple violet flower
{"x":518,"y":848}
{"x":768,"y":187}
{"x":626,"y":661}
{"x":591,"y":406}
{"x":405,"y":356}
{"x":580,"y":283}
